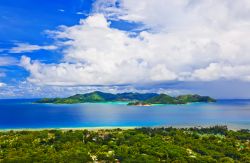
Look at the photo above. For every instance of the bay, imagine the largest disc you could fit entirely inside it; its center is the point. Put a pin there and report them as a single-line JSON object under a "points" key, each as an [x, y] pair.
{"points": [[24, 114]]}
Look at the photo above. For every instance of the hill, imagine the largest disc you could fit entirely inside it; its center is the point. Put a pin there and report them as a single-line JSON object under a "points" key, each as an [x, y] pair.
{"points": [[132, 98], [183, 99], [98, 96]]}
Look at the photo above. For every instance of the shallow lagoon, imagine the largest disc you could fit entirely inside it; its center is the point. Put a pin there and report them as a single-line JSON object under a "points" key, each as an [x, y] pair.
{"points": [[19, 114]]}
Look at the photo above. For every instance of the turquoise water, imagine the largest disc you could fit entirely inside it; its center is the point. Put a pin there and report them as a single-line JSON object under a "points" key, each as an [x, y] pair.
{"points": [[19, 114]]}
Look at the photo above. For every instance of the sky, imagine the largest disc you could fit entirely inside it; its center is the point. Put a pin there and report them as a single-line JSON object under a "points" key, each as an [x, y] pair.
{"points": [[59, 48]]}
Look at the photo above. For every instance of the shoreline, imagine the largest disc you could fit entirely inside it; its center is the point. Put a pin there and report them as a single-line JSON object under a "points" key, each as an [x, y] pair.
{"points": [[72, 128], [230, 127]]}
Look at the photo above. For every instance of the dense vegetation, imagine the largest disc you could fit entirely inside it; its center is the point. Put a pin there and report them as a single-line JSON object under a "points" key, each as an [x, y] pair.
{"points": [[216, 144], [133, 98], [99, 97], [183, 99]]}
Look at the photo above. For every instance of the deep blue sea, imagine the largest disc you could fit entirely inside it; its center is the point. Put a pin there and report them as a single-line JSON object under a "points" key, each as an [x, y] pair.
{"points": [[20, 114]]}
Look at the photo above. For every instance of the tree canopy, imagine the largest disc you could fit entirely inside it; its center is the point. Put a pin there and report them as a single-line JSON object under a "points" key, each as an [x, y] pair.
{"points": [[215, 144]]}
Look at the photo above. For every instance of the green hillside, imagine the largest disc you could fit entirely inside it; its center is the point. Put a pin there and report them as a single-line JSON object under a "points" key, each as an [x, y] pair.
{"points": [[98, 96], [183, 99], [162, 99], [132, 98]]}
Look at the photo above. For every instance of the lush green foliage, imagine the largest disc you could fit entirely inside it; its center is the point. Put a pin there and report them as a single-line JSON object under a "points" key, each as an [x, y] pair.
{"points": [[183, 99], [215, 144], [162, 99], [98, 97], [194, 98], [147, 98]]}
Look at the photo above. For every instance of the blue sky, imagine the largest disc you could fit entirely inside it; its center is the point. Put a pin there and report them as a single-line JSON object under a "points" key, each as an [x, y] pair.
{"points": [[61, 47]]}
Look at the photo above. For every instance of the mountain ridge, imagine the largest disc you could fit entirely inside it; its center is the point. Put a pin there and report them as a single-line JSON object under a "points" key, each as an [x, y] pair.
{"points": [[130, 97]]}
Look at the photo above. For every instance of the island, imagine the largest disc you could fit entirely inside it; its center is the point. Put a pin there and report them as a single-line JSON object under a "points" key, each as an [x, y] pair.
{"points": [[139, 103], [138, 99]]}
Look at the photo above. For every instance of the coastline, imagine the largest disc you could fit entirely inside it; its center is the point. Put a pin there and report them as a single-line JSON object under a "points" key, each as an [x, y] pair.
{"points": [[229, 126], [72, 128]]}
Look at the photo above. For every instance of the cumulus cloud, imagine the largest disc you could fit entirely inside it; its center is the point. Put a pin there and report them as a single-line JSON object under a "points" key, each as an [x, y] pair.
{"points": [[186, 41], [25, 47], [217, 71]]}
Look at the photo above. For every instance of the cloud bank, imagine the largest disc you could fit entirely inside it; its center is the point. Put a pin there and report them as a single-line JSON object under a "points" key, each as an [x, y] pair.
{"points": [[179, 41]]}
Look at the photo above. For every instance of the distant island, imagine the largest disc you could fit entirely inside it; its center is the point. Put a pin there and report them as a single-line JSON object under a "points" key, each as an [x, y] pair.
{"points": [[137, 99]]}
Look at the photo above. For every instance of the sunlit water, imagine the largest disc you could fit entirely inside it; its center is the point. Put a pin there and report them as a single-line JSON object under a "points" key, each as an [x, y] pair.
{"points": [[17, 114]]}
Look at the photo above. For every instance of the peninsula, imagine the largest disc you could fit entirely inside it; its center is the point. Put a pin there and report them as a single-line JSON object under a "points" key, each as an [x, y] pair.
{"points": [[139, 99]]}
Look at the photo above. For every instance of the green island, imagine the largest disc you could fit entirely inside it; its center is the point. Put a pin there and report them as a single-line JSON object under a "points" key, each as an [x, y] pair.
{"points": [[191, 145], [140, 99]]}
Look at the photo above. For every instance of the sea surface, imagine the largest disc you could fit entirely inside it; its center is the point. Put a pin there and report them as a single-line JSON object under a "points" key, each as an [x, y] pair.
{"points": [[25, 114]]}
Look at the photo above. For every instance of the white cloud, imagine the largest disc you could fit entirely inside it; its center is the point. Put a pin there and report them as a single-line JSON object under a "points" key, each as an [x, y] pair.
{"points": [[187, 40], [61, 10], [29, 90], [80, 13], [217, 71], [2, 84], [177, 15], [25, 47], [6, 61]]}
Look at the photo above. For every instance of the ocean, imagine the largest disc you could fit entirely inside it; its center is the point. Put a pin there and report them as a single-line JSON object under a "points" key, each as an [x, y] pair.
{"points": [[25, 114]]}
